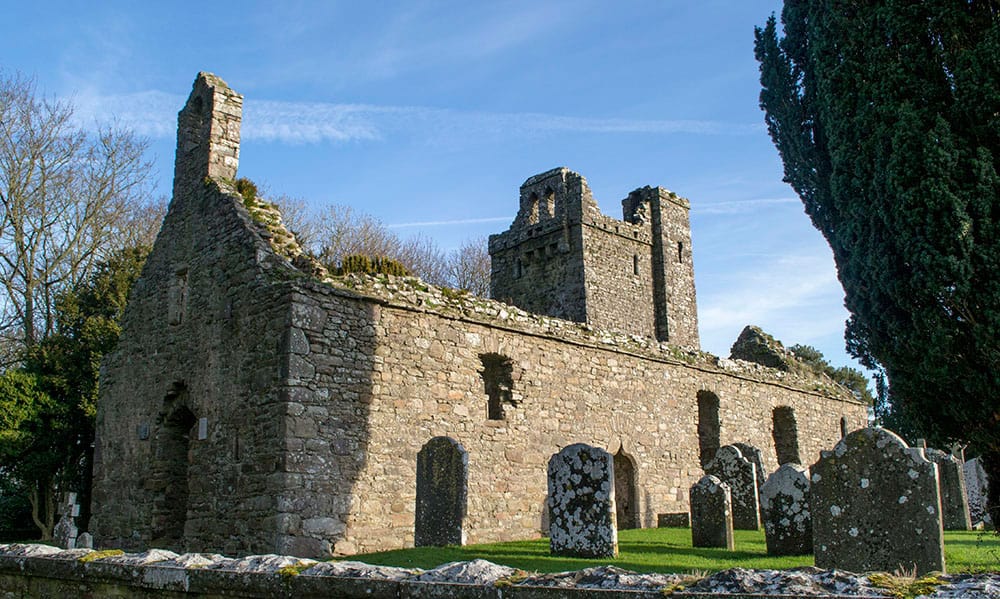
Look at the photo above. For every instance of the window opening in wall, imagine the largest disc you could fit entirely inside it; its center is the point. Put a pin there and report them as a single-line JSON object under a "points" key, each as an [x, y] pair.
{"points": [[626, 504], [498, 381], [170, 471], [550, 203], [518, 268], [680, 251], [786, 435], [533, 209], [635, 264], [708, 426]]}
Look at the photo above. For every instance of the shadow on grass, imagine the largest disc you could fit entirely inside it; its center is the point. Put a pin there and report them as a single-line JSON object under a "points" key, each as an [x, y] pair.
{"points": [[667, 550]]}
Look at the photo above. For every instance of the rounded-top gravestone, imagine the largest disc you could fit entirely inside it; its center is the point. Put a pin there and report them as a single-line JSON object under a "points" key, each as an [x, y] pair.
{"points": [[784, 506], [581, 503], [711, 514], [442, 491], [876, 506]]}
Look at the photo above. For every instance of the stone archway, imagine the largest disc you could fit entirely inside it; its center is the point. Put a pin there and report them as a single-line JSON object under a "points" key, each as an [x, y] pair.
{"points": [[626, 494], [170, 471]]}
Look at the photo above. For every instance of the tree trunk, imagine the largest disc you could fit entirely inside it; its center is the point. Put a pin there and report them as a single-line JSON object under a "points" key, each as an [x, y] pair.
{"points": [[42, 509]]}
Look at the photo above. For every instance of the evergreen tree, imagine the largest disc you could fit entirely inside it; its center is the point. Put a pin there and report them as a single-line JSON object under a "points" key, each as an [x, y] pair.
{"points": [[48, 406], [887, 118]]}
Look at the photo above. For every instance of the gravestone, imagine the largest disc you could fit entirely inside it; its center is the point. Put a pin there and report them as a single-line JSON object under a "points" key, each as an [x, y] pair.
{"points": [[711, 513], [740, 475], [85, 541], [784, 506], [876, 506], [954, 502], [754, 455], [442, 491], [976, 487], [673, 520], [581, 503], [65, 530]]}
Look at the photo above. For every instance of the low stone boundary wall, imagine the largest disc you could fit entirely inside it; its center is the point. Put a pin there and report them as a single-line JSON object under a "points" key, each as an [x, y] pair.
{"points": [[31, 571]]}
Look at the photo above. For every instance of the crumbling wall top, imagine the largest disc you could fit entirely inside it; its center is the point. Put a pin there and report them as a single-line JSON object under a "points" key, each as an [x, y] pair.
{"points": [[208, 134]]}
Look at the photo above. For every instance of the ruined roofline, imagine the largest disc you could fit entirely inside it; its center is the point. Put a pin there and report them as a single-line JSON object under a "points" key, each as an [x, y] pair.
{"points": [[284, 259], [412, 294]]}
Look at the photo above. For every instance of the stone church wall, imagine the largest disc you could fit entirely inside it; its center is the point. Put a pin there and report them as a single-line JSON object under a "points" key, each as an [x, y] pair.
{"points": [[412, 374], [253, 408]]}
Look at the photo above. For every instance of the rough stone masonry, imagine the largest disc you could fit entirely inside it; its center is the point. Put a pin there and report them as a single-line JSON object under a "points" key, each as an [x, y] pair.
{"points": [[256, 405]]}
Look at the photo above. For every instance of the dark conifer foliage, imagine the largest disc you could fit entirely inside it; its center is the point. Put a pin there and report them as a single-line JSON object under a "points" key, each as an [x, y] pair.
{"points": [[887, 117]]}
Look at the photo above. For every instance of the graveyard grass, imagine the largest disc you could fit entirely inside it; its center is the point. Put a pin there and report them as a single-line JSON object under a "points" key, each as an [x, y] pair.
{"points": [[669, 550]]}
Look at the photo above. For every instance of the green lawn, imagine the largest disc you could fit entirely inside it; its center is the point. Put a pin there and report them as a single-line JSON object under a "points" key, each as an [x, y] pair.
{"points": [[669, 550]]}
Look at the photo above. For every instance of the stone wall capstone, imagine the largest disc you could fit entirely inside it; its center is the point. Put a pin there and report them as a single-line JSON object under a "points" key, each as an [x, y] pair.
{"points": [[711, 514], [876, 506], [785, 511], [581, 503], [740, 475]]}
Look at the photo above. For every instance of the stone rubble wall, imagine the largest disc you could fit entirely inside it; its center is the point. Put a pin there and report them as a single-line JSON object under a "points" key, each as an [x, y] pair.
{"points": [[563, 258], [311, 396], [390, 366]]}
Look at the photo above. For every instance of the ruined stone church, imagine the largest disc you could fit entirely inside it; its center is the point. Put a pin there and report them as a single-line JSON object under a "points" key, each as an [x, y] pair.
{"points": [[255, 404]]}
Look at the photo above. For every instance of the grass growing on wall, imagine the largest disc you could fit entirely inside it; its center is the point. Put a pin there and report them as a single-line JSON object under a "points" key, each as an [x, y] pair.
{"points": [[669, 550]]}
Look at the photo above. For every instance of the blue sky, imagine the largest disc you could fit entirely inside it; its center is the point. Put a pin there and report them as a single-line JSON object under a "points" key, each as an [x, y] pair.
{"points": [[429, 115]]}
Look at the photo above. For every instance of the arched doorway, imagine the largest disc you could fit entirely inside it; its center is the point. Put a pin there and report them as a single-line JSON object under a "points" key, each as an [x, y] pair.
{"points": [[171, 465], [626, 496], [786, 435]]}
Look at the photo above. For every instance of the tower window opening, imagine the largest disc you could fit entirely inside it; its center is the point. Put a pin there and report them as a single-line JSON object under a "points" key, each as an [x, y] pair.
{"points": [[680, 251], [635, 264]]}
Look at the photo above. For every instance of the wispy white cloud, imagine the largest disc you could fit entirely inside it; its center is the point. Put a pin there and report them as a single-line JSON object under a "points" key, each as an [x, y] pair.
{"points": [[153, 113], [794, 297], [742, 206], [452, 222]]}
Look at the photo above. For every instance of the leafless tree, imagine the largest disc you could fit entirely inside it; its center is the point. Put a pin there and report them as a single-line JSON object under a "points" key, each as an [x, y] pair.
{"points": [[338, 231], [469, 267], [67, 199]]}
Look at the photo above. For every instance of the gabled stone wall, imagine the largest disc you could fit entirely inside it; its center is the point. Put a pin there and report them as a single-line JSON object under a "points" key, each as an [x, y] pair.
{"points": [[287, 411]]}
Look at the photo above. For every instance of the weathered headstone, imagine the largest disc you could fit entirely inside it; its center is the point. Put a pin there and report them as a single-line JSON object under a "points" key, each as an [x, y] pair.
{"points": [[711, 513], [65, 530], [581, 503], [740, 475], [784, 506], [85, 541], [876, 506], [976, 487], [673, 520], [954, 502], [757, 457], [442, 491]]}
